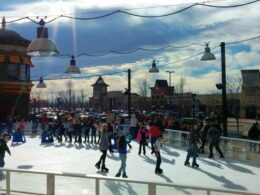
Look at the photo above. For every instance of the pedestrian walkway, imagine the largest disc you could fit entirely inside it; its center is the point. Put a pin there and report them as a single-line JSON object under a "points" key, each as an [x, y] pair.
{"points": [[80, 159]]}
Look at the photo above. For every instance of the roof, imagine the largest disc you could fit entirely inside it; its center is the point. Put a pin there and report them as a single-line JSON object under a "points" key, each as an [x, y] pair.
{"points": [[10, 37], [161, 83], [250, 71], [100, 81]]}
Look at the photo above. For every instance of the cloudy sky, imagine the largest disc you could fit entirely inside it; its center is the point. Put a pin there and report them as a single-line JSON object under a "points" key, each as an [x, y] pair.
{"points": [[123, 33]]}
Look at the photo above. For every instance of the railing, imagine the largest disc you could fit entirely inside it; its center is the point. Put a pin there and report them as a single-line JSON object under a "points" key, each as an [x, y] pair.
{"points": [[46, 183], [241, 149], [28, 127]]}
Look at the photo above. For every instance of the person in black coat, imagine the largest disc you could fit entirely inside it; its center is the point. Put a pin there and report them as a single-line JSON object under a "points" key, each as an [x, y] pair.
{"points": [[3, 148], [203, 136], [254, 134], [214, 140], [193, 145]]}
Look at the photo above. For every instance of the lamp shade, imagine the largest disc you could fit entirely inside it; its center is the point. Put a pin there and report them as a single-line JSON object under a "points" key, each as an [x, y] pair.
{"points": [[41, 84], [42, 46], [208, 55], [72, 68], [154, 69]]}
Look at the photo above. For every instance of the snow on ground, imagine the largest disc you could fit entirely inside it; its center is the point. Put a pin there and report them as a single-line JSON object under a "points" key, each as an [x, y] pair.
{"points": [[69, 158]]}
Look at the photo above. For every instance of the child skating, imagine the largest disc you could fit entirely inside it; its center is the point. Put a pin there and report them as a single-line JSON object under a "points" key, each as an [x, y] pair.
{"points": [[157, 148], [122, 149]]}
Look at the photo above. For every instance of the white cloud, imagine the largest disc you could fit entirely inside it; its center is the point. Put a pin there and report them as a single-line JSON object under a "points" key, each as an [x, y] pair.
{"points": [[198, 24]]}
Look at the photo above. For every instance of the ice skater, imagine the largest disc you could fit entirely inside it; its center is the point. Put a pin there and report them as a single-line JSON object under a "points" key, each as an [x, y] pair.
{"points": [[157, 148], [103, 147], [193, 147], [214, 140], [141, 138], [122, 149], [3, 148], [154, 132]]}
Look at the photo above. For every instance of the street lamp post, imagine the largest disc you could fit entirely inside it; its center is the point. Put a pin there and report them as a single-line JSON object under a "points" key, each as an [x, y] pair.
{"points": [[209, 56], [193, 104], [170, 83], [34, 107], [224, 91], [129, 94]]}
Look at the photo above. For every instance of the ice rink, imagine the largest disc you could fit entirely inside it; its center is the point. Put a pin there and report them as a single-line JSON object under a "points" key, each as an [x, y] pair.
{"points": [[69, 158]]}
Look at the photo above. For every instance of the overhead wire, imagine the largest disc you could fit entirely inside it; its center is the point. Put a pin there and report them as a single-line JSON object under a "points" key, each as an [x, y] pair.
{"points": [[170, 63], [139, 15]]}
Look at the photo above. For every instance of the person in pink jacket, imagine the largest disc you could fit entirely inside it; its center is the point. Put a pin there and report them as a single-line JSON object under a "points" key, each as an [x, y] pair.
{"points": [[141, 138]]}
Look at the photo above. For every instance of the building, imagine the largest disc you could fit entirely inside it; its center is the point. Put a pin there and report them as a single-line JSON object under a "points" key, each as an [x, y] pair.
{"points": [[250, 94], [15, 83], [161, 93], [105, 100], [99, 99]]}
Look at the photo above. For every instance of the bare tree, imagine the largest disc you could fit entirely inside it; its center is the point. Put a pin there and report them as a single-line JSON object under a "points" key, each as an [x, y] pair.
{"points": [[233, 89], [143, 88], [180, 85], [68, 97], [83, 96]]}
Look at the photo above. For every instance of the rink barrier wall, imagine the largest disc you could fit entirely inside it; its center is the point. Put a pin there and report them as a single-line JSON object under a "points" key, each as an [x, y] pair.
{"points": [[151, 186], [240, 149]]}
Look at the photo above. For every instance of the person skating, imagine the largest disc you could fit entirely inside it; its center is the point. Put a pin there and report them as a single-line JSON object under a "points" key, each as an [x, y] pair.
{"points": [[214, 140], [103, 147], [204, 135], [193, 147], [93, 132], [141, 138], [69, 129], [99, 130], [154, 132], [133, 126], [254, 134], [110, 131], [122, 150], [86, 125], [3, 148], [157, 147]]}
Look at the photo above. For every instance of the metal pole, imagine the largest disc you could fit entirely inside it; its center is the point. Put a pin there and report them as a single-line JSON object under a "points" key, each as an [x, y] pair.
{"points": [[129, 94], [193, 104], [170, 78], [224, 93], [193, 107], [34, 107]]}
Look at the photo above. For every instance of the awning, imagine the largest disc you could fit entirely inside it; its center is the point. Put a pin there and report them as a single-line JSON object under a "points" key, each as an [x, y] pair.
{"points": [[27, 60], [2, 58], [14, 59]]}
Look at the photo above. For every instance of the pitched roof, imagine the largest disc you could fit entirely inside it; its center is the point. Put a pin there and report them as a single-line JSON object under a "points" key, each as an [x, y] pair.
{"points": [[100, 81], [161, 83]]}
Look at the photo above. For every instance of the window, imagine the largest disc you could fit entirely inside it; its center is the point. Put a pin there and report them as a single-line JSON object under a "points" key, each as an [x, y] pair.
{"points": [[23, 72], [250, 79], [13, 71], [28, 73]]}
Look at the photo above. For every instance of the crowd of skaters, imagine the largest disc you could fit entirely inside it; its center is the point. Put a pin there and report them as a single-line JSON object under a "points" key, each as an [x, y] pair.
{"points": [[78, 130]]}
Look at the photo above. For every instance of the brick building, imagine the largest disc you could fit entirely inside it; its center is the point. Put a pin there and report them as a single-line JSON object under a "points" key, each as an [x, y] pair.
{"points": [[161, 93]]}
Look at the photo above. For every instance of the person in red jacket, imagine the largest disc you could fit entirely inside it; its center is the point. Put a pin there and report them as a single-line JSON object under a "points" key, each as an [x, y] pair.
{"points": [[154, 131]]}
